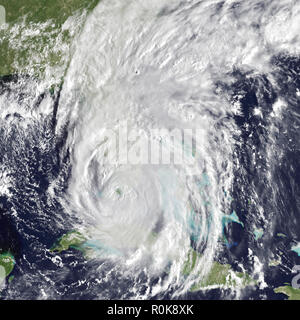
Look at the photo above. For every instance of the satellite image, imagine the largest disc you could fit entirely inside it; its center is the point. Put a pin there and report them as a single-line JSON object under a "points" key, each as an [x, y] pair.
{"points": [[149, 150]]}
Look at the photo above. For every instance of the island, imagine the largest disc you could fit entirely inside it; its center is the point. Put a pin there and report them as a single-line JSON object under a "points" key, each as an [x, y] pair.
{"points": [[7, 264], [72, 239], [292, 293]]}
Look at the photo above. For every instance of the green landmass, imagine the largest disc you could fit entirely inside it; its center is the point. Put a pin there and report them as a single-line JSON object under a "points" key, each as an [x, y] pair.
{"points": [[282, 235], [119, 191], [219, 275], [7, 262], [72, 239], [274, 263], [75, 240], [34, 36], [293, 294], [43, 10]]}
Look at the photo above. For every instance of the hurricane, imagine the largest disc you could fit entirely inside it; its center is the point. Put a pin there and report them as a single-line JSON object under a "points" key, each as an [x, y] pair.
{"points": [[164, 163]]}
